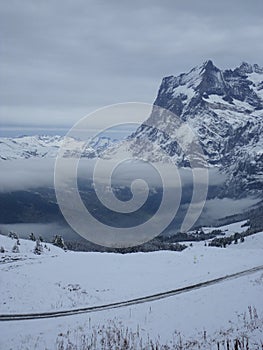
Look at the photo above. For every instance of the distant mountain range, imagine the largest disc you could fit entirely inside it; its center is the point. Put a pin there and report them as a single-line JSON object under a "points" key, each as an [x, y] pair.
{"points": [[25, 147]]}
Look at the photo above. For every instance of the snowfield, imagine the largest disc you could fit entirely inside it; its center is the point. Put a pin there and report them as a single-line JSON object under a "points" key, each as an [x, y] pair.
{"points": [[231, 229], [58, 280]]}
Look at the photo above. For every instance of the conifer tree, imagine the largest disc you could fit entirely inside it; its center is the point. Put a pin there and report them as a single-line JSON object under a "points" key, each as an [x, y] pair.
{"points": [[59, 242], [38, 248], [32, 237], [15, 249]]}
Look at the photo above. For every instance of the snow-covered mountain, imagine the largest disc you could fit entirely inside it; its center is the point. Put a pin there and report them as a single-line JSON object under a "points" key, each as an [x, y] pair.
{"points": [[224, 108], [25, 147]]}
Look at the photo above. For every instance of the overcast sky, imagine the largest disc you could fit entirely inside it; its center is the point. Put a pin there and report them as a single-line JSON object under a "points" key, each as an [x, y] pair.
{"points": [[63, 59]]}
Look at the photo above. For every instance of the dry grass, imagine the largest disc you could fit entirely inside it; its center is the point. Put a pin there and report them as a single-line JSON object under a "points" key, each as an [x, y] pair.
{"points": [[246, 333]]}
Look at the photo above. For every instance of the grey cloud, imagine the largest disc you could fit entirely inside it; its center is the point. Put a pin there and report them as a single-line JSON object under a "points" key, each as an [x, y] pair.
{"points": [[220, 208], [26, 174], [23, 174], [66, 57]]}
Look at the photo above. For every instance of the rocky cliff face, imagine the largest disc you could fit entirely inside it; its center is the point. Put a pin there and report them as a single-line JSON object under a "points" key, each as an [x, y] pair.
{"points": [[224, 108]]}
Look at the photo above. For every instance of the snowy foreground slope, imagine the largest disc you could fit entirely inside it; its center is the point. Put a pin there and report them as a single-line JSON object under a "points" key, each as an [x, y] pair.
{"points": [[58, 280]]}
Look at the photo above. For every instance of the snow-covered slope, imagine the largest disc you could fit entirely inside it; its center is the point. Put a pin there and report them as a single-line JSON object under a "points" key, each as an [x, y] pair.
{"points": [[58, 271], [25, 250], [61, 280], [230, 229]]}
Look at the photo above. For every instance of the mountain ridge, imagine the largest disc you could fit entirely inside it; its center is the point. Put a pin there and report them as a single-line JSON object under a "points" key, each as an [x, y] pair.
{"points": [[224, 108]]}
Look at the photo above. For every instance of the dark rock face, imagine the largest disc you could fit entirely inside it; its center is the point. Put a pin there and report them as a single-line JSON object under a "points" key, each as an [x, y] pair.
{"points": [[240, 88], [225, 110], [212, 81]]}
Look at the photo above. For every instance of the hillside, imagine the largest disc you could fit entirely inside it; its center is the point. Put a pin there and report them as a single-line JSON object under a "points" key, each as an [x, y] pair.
{"points": [[58, 280]]}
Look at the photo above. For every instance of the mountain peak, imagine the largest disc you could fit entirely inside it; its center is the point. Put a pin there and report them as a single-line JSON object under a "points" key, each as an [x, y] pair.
{"points": [[208, 65], [247, 68], [212, 81], [224, 110], [257, 69]]}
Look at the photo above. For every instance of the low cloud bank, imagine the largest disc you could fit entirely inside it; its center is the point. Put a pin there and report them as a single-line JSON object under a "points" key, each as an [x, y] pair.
{"points": [[27, 174], [220, 208]]}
